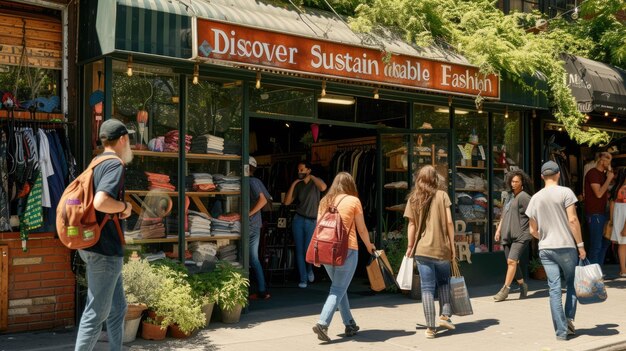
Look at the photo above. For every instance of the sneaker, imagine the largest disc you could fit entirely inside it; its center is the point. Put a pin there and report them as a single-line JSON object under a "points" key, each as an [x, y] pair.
{"points": [[311, 277], [571, 330], [523, 291], [260, 296], [430, 333], [446, 322], [321, 331], [352, 328], [302, 285], [502, 294]]}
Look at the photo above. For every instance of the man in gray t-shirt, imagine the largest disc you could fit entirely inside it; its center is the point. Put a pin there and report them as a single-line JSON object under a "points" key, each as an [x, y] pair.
{"points": [[553, 220]]}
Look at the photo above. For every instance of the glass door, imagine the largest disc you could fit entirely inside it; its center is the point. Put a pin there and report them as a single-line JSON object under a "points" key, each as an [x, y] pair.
{"points": [[403, 154]]}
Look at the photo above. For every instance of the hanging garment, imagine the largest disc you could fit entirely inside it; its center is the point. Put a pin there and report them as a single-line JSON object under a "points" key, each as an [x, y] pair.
{"points": [[33, 216], [4, 186], [45, 166]]}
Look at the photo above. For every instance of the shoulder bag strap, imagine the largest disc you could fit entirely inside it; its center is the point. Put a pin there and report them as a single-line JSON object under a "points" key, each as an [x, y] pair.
{"points": [[107, 217], [422, 225]]}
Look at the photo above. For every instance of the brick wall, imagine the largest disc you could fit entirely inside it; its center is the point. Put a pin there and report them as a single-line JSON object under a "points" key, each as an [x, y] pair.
{"points": [[41, 283]]}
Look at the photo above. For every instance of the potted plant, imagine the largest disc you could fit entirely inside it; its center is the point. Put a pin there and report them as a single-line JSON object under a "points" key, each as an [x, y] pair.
{"points": [[140, 286], [205, 287], [232, 293], [152, 330], [177, 303], [536, 269]]}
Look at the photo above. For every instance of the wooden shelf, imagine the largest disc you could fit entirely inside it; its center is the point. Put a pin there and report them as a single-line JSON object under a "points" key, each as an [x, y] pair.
{"points": [[131, 241], [397, 169], [188, 193], [188, 156], [480, 168], [471, 190], [395, 209]]}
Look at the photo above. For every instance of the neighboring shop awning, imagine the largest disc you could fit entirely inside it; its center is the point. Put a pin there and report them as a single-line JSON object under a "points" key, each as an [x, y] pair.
{"points": [[595, 85]]}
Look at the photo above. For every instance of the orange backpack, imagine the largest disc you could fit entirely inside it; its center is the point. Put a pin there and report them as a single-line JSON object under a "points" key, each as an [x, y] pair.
{"points": [[76, 223]]}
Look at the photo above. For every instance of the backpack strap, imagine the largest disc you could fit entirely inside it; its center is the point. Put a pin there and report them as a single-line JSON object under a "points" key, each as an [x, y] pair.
{"points": [[107, 217]]}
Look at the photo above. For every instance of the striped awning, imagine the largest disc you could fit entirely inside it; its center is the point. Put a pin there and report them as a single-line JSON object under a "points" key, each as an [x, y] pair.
{"points": [[151, 26]]}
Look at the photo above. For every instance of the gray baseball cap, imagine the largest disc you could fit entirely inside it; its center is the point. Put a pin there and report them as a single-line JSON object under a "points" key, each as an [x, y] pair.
{"points": [[550, 168], [112, 129]]}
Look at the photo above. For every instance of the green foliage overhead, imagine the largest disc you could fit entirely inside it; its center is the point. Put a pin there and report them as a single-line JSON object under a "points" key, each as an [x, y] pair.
{"points": [[503, 44]]}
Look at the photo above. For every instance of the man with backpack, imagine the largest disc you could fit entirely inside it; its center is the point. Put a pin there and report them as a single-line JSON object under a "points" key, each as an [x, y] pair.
{"points": [[104, 260]]}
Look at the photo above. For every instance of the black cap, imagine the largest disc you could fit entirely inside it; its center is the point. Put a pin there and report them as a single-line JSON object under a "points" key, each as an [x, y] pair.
{"points": [[112, 129], [550, 168]]}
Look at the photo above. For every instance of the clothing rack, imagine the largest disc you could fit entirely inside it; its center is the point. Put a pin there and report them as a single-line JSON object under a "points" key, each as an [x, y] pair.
{"points": [[322, 152]]}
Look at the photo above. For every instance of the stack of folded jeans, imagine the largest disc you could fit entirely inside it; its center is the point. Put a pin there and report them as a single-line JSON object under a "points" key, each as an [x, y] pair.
{"points": [[208, 144], [228, 253], [199, 224], [223, 227], [157, 181], [227, 183], [151, 228], [232, 147], [201, 182], [203, 251]]}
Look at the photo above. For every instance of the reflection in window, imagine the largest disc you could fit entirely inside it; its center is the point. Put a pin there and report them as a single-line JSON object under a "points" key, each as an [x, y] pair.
{"points": [[215, 108], [34, 87], [147, 101], [427, 117], [282, 100]]}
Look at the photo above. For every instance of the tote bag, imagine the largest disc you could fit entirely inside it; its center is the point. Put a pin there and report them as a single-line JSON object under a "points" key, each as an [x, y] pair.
{"points": [[588, 283], [459, 299], [379, 271]]}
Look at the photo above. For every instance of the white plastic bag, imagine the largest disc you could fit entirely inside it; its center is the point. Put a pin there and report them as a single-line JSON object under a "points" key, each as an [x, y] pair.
{"points": [[588, 283], [405, 273]]}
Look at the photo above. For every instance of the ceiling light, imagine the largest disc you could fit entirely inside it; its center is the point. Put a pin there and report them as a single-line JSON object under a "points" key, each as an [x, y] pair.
{"points": [[129, 66], [447, 110], [614, 119], [336, 99], [506, 112], [606, 114], [323, 88], [258, 80], [287, 124], [376, 95]]}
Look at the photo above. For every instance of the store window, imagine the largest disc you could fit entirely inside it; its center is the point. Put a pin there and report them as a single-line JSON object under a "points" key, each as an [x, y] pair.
{"points": [[471, 186], [282, 100], [507, 155], [381, 112], [431, 117]]}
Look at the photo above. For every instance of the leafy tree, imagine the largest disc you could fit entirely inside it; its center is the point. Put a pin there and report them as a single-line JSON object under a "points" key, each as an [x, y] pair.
{"points": [[499, 43]]}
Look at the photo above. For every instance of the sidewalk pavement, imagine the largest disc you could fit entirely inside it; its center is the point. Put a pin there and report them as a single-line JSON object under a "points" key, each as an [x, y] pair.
{"points": [[388, 322]]}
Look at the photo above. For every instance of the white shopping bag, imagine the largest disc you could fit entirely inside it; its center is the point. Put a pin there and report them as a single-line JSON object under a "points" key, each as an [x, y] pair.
{"points": [[405, 274]]}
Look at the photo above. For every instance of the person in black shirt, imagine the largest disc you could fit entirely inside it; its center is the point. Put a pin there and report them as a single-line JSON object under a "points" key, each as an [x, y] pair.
{"points": [[104, 260]]}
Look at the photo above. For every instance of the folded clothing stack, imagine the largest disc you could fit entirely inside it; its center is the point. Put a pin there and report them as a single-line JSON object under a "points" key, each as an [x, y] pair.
{"points": [[208, 144], [157, 181], [201, 182], [232, 147], [203, 251], [227, 183], [231, 216], [224, 227], [199, 224], [151, 228], [228, 253], [135, 179], [171, 141]]}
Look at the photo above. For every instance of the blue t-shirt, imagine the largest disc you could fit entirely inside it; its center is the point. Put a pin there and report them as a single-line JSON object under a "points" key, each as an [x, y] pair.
{"points": [[108, 177], [256, 189]]}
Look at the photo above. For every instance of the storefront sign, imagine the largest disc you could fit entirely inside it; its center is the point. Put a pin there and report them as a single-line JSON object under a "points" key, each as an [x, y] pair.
{"points": [[222, 42]]}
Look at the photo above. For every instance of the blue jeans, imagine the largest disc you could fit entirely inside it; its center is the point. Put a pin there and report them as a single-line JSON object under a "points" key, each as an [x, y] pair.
{"points": [[255, 264], [302, 229], [597, 243], [434, 273], [566, 259], [105, 301], [341, 277]]}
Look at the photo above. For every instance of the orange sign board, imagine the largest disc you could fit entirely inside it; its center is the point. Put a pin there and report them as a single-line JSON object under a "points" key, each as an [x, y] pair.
{"points": [[225, 42]]}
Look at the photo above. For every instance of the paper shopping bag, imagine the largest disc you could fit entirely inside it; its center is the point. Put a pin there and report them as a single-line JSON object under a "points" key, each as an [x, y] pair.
{"points": [[588, 283], [459, 296], [379, 271], [405, 273]]}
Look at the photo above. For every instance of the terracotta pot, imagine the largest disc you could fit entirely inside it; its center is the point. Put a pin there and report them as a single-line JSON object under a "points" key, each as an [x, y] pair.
{"points": [[175, 332], [230, 317], [151, 331], [153, 316], [539, 274], [135, 311]]}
